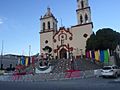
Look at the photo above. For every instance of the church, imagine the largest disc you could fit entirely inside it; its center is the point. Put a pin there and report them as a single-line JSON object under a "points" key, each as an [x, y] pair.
{"points": [[66, 42]]}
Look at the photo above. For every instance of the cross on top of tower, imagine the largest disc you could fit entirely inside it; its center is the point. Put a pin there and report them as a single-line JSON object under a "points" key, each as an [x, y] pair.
{"points": [[48, 13], [48, 9]]}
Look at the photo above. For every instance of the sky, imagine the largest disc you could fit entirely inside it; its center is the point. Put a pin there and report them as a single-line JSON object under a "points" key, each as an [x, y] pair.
{"points": [[20, 20]]}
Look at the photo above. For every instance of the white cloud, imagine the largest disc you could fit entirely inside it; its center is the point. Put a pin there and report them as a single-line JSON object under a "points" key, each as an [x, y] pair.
{"points": [[1, 21]]}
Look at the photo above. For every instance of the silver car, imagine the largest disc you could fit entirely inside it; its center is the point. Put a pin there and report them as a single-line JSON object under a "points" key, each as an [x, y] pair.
{"points": [[110, 71]]}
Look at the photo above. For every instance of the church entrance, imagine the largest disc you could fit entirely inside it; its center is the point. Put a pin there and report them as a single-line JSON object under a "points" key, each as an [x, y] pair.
{"points": [[63, 53]]}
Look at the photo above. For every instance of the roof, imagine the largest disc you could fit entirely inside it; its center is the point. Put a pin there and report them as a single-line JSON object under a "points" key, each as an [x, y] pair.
{"points": [[48, 14]]}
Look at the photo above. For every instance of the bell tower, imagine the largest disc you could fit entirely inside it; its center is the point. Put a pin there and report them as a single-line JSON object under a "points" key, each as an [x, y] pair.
{"points": [[47, 30], [48, 22], [83, 12]]}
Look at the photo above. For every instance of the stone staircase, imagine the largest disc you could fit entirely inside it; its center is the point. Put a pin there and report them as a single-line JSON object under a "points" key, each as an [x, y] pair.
{"points": [[62, 65], [78, 64], [83, 64]]}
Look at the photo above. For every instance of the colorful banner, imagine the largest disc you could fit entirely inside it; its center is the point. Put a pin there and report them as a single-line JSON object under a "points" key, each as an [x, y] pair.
{"points": [[106, 56], [102, 56], [26, 61], [19, 61], [97, 55], [29, 60], [22, 60], [33, 60], [88, 54], [93, 54]]}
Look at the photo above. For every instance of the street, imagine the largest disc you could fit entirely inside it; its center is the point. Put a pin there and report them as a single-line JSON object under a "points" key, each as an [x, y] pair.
{"points": [[79, 84]]}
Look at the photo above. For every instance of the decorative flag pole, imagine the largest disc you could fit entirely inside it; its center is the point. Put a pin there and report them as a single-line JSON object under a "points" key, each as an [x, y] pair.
{"points": [[29, 50]]}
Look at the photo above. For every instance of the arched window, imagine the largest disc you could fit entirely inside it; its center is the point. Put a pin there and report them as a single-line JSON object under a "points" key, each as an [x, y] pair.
{"points": [[43, 26], [82, 4], [86, 18], [81, 19], [48, 25]]}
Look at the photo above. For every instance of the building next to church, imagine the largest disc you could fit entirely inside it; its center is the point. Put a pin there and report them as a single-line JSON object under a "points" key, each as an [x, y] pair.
{"points": [[65, 42]]}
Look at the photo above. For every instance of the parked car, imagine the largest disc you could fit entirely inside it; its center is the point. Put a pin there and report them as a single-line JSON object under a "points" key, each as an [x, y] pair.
{"points": [[113, 71]]}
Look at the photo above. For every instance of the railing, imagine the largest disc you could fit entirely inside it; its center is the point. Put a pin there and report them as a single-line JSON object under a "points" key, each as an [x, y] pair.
{"points": [[48, 76]]}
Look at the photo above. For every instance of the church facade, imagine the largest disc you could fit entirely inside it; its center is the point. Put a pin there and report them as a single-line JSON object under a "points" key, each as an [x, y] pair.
{"points": [[65, 42]]}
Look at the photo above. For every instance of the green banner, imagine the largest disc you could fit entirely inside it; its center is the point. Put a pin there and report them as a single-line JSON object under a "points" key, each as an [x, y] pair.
{"points": [[106, 56]]}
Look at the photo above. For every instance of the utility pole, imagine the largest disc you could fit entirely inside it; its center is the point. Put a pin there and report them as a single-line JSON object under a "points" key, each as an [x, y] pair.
{"points": [[30, 54], [2, 53]]}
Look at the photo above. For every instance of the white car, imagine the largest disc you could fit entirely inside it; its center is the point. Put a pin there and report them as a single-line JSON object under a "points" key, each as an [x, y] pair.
{"points": [[110, 71]]}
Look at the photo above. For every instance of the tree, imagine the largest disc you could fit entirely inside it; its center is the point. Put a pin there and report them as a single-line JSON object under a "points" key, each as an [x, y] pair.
{"points": [[90, 41], [105, 38]]}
